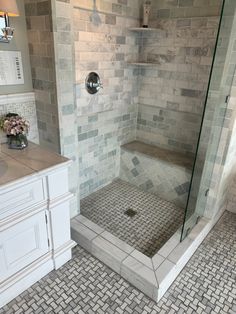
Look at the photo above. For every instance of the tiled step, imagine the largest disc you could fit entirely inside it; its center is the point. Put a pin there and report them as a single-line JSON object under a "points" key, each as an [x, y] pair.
{"points": [[153, 276]]}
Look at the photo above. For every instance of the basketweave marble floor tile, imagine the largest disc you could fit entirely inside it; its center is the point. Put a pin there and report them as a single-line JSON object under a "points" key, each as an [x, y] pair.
{"points": [[207, 284], [155, 221]]}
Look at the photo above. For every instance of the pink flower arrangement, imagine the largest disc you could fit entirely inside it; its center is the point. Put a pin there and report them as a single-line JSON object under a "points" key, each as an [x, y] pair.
{"points": [[14, 125]]}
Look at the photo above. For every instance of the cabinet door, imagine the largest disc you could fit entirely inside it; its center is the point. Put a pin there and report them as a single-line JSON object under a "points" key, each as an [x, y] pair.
{"points": [[22, 244]]}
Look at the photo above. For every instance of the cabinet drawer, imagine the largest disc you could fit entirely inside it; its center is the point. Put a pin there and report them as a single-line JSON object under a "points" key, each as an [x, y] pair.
{"points": [[21, 197], [22, 244]]}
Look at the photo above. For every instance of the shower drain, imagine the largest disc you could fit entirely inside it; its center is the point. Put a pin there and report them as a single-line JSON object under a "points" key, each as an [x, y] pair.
{"points": [[130, 212]]}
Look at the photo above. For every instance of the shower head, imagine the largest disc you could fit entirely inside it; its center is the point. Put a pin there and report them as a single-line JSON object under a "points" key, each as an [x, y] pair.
{"points": [[94, 17]]}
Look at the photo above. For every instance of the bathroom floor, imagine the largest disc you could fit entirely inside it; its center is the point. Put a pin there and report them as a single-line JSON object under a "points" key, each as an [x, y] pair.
{"points": [[207, 284], [139, 218]]}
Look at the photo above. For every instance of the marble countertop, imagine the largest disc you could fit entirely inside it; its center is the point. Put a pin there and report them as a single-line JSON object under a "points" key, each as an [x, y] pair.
{"points": [[17, 164]]}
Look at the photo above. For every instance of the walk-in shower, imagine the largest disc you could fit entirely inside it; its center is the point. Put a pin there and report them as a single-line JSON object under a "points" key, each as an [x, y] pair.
{"points": [[148, 140], [138, 136]]}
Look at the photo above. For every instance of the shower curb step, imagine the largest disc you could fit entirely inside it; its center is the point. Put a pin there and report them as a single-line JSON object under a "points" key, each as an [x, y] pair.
{"points": [[115, 255], [153, 276]]}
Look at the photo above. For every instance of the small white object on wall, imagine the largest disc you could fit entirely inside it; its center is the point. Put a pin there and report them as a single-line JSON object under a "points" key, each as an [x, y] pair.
{"points": [[11, 69], [146, 13]]}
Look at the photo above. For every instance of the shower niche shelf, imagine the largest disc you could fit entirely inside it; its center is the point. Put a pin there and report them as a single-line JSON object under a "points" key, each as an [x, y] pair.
{"points": [[142, 31], [143, 64], [148, 29]]}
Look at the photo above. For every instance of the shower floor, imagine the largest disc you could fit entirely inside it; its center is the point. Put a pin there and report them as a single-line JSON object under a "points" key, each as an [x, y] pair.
{"points": [[147, 230]]}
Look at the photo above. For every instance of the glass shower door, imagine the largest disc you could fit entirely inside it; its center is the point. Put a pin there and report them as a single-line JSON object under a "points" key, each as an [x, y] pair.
{"points": [[214, 126]]}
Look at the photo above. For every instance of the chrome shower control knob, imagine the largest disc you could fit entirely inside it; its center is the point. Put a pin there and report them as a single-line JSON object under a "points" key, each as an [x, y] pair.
{"points": [[93, 83]]}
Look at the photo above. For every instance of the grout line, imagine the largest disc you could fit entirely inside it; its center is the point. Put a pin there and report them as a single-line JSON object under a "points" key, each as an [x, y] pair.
{"points": [[136, 258], [115, 244], [169, 109], [89, 227], [184, 17], [155, 272]]}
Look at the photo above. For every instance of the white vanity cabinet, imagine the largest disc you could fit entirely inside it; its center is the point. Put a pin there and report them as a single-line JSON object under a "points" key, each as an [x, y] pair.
{"points": [[34, 219], [22, 244]]}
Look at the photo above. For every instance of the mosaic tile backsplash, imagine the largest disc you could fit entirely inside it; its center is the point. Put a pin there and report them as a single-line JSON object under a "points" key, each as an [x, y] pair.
{"points": [[24, 105]]}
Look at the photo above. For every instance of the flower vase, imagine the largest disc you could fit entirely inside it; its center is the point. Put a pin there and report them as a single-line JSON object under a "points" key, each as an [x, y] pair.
{"points": [[18, 141]]}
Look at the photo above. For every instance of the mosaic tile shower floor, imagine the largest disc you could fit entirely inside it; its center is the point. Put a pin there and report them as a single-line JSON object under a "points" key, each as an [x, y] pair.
{"points": [[207, 284], [156, 220]]}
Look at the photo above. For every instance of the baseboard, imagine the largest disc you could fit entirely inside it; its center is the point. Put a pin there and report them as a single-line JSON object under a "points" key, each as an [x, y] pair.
{"points": [[25, 280], [63, 254]]}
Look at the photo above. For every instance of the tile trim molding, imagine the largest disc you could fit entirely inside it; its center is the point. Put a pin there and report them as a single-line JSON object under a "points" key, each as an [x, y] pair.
{"points": [[21, 97], [153, 276]]}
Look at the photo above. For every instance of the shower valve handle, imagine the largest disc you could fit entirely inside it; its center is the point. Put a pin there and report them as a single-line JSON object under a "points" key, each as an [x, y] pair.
{"points": [[93, 83], [96, 85]]}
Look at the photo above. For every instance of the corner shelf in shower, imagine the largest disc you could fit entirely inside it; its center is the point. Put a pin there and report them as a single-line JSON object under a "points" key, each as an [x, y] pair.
{"points": [[143, 29], [143, 64]]}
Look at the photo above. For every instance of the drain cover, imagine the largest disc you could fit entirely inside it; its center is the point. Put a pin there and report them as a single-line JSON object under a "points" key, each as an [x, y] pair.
{"points": [[130, 212]]}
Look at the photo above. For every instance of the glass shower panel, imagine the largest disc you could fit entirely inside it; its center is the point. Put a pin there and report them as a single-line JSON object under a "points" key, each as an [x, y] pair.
{"points": [[213, 120]]}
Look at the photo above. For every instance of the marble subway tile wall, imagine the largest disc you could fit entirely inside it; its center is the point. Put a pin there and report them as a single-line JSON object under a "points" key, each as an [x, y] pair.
{"points": [[172, 92], [41, 49], [63, 38], [51, 45], [106, 120]]}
